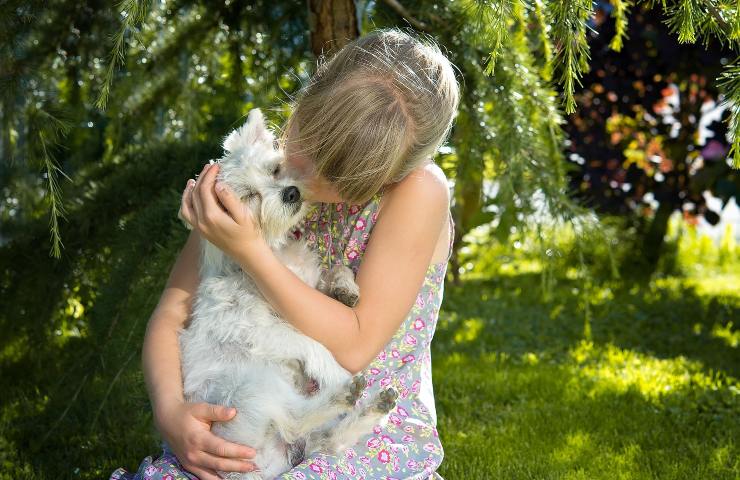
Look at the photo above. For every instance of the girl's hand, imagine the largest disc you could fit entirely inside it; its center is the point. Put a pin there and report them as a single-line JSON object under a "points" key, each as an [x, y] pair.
{"points": [[187, 429], [213, 209]]}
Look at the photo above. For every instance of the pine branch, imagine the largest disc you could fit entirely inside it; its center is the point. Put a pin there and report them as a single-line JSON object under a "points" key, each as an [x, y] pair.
{"points": [[568, 20], [490, 21], [406, 15], [729, 82], [693, 18], [55, 199], [47, 128], [685, 17], [718, 17], [621, 11], [544, 39], [735, 27], [134, 13]]}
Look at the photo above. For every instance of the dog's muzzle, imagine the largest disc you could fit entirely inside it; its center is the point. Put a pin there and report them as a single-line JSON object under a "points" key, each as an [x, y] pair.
{"points": [[291, 195]]}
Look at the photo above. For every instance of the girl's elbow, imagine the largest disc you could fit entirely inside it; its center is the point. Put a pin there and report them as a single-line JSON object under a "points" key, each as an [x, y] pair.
{"points": [[355, 362], [354, 369]]}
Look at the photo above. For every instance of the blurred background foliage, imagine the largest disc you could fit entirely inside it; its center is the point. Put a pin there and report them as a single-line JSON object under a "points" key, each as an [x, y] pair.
{"points": [[593, 180]]}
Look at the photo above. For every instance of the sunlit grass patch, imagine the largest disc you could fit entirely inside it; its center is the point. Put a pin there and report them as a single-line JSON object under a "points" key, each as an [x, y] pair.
{"points": [[619, 370], [469, 330], [650, 395], [731, 337], [507, 417], [726, 285], [723, 284]]}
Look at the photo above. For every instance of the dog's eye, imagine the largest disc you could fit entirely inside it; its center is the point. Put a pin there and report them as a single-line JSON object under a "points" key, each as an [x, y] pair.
{"points": [[276, 170], [248, 195]]}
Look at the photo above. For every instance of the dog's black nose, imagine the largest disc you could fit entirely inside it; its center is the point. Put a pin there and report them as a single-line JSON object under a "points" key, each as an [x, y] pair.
{"points": [[291, 195]]}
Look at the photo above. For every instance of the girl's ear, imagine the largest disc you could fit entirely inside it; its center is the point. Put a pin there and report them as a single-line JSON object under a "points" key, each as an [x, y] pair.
{"points": [[254, 130]]}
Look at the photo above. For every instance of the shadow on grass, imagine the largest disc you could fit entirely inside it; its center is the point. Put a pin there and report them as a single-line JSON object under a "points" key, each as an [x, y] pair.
{"points": [[74, 403], [521, 394], [665, 319], [77, 407], [499, 418]]}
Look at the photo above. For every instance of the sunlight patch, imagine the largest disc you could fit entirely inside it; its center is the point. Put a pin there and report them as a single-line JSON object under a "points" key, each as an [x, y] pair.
{"points": [[629, 457], [615, 369], [726, 334], [469, 330], [576, 444], [717, 285], [14, 350]]}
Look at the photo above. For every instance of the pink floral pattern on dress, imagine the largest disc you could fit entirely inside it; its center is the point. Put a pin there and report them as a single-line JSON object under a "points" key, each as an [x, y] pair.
{"points": [[164, 467], [408, 446]]}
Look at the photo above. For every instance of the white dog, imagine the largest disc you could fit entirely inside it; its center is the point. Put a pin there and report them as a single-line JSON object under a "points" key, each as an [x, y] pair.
{"points": [[237, 351]]}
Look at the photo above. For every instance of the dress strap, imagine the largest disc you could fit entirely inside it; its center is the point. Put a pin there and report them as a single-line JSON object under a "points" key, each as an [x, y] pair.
{"points": [[372, 207]]}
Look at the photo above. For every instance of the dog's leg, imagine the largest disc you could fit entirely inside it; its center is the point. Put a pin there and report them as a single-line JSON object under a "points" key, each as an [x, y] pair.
{"points": [[357, 423], [315, 413], [339, 283], [302, 381]]}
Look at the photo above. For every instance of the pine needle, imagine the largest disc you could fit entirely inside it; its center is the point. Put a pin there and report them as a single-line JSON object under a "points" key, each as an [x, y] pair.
{"points": [[134, 12]]}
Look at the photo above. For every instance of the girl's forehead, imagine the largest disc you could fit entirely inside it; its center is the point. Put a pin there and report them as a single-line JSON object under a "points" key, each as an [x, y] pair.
{"points": [[299, 162]]}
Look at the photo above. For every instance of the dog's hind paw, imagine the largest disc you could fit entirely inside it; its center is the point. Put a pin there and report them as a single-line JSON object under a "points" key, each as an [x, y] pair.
{"points": [[386, 400], [359, 382], [240, 475]]}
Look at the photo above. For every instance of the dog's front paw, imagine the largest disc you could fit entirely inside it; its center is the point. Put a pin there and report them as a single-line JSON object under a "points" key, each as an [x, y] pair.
{"points": [[355, 388], [339, 283], [386, 400], [346, 296]]}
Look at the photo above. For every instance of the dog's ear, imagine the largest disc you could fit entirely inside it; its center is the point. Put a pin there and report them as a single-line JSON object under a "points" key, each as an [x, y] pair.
{"points": [[254, 130]]}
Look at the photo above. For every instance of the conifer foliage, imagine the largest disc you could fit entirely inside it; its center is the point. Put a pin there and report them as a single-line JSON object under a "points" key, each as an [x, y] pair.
{"points": [[81, 82]]}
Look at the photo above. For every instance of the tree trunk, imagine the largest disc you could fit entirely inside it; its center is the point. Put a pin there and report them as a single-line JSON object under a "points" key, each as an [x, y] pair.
{"points": [[468, 183], [655, 235], [333, 24]]}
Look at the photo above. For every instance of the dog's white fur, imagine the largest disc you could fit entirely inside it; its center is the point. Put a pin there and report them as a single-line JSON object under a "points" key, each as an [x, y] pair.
{"points": [[237, 351]]}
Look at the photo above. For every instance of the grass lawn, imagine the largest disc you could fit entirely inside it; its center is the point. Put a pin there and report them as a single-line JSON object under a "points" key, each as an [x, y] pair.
{"points": [[525, 389]]}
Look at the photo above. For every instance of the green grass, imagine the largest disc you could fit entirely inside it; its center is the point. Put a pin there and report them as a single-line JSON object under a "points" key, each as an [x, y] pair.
{"points": [[524, 391], [644, 387]]}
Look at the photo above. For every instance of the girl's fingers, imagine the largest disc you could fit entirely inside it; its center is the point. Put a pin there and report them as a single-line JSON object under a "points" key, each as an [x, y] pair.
{"points": [[211, 412], [186, 206], [195, 194], [200, 176], [225, 464], [218, 446], [230, 203], [207, 193]]}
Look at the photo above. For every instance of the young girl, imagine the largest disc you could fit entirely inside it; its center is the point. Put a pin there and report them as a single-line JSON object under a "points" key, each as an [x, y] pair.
{"points": [[362, 133]]}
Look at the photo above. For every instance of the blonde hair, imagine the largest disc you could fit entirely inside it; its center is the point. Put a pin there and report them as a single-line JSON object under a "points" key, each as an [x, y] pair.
{"points": [[377, 109]]}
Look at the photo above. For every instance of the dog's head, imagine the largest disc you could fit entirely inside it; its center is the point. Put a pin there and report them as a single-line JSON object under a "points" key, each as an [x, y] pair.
{"points": [[254, 170]]}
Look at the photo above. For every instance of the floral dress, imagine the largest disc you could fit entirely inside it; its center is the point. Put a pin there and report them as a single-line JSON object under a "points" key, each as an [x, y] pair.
{"points": [[408, 446]]}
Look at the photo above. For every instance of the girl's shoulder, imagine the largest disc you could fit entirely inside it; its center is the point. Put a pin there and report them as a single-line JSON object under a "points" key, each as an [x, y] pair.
{"points": [[426, 183], [424, 189]]}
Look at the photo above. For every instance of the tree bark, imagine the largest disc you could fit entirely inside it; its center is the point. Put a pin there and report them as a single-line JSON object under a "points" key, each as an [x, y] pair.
{"points": [[468, 183], [654, 237], [332, 24]]}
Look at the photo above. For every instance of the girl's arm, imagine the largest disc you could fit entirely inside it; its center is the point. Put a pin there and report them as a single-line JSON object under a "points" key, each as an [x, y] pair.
{"points": [[398, 254], [185, 426]]}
